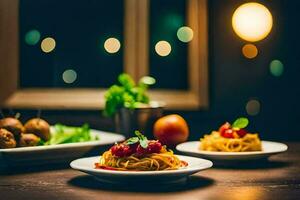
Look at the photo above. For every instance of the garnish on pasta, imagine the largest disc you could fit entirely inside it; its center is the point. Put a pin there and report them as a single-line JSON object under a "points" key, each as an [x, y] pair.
{"points": [[232, 138], [139, 154]]}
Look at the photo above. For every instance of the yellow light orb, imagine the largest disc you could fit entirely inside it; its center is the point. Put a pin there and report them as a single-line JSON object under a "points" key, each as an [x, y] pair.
{"points": [[252, 21], [112, 45], [249, 51], [163, 48], [48, 44]]}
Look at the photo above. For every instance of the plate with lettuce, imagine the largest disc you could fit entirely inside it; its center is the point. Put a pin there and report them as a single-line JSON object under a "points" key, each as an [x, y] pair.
{"points": [[66, 143]]}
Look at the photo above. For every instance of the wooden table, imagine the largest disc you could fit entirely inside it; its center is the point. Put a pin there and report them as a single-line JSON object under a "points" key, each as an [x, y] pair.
{"points": [[277, 179]]}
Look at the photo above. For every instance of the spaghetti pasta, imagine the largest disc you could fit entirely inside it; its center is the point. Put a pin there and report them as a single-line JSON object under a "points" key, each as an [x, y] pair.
{"points": [[164, 160], [215, 142], [139, 154], [231, 138]]}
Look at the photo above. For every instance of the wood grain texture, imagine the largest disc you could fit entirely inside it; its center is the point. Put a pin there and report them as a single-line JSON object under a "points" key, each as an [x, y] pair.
{"points": [[90, 99], [277, 179], [203, 53], [9, 48], [143, 48], [130, 35]]}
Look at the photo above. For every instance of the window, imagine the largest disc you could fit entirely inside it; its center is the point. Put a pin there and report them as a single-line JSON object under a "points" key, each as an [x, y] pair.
{"points": [[166, 18], [78, 31], [67, 60]]}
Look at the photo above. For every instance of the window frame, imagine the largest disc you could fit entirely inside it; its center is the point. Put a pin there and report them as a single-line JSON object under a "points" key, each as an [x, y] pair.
{"points": [[136, 63]]}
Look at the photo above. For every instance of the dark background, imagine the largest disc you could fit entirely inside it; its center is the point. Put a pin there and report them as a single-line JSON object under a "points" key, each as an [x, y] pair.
{"points": [[234, 79], [79, 29]]}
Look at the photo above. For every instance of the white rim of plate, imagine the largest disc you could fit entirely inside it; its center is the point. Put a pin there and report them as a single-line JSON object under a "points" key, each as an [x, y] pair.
{"points": [[205, 164], [181, 148], [118, 137]]}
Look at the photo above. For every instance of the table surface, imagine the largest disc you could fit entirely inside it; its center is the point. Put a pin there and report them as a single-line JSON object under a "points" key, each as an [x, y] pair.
{"points": [[277, 179]]}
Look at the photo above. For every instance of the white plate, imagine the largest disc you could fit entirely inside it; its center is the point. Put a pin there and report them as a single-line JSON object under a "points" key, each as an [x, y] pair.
{"points": [[87, 165], [61, 153], [269, 148]]}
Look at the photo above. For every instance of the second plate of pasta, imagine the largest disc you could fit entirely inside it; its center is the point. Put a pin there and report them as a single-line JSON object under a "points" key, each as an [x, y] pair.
{"points": [[268, 148]]}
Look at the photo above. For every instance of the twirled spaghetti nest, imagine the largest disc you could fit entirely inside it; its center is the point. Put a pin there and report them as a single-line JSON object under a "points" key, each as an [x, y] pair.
{"points": [[165, 160], [215, 142]]}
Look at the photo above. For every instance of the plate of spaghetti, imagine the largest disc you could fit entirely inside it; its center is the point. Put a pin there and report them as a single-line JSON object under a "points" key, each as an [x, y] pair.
{"points": [[137, 158], [232, 142]]}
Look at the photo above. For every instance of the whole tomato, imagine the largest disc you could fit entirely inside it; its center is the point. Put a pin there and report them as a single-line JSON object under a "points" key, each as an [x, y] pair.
{"points": [[171, 130]]}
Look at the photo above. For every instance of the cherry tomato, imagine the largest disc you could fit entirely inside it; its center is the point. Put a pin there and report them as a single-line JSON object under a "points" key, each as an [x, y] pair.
{"points": [[224, 127], [121, 150], [227, 133], [242, 132], [153, 147]]}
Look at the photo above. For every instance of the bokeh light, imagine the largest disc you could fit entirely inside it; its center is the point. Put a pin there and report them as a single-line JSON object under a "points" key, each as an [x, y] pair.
{"points": [[163, 48], [48, 44], [185, 34], [252, 21], [32, 37], [250, 51], [148, 80], [276, 68], [69, 76], [112, 45], [253, 107]]}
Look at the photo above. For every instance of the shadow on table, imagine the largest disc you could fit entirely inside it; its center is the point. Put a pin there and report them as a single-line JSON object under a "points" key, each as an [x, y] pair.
{"points": [[193, 182], [256, 164], [12, 170]]}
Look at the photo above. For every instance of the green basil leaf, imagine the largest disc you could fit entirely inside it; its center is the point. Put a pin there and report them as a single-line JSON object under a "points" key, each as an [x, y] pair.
{"points": [[240, 123], [132, 140], [144, 143], [142, 139], [138, 134]]}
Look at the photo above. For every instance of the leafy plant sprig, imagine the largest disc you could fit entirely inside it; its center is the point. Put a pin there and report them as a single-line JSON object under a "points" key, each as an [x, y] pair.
{"points": [[139, 138], [126, 93], [241, 122]]}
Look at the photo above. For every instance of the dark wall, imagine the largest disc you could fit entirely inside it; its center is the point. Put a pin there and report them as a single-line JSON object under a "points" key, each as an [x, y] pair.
{"points": [[234, 79]]}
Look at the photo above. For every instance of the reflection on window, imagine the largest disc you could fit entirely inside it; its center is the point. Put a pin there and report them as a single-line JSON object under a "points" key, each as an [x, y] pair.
{"points": [[168, 43], [62, 43]]}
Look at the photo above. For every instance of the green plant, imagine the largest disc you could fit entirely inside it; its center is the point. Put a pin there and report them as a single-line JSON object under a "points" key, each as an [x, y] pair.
{"points": [[126, 93]]}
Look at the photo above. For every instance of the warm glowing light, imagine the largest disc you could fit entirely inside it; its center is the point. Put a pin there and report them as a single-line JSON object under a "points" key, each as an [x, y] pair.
{"points": [[48, 44], [185, 34], [253, 107], [276, 68], [163, 48], [249, 51], [112, 45], [252, 21], [69, 76], [248, 193], [32, 37]]}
